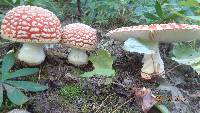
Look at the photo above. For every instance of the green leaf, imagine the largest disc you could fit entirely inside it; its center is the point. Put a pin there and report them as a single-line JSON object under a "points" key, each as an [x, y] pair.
{"points": [[139, 46], [21, 72], [1, 94], [196, 67], [197, 1], [102, 63], [162, 108], [159, 10], [28, 86], [8, 62], [188, 56], [52, 6], [15, 95], [1, 17], [185, 55], [197, 18], [14, 1], [190, 3], [151, 16]]}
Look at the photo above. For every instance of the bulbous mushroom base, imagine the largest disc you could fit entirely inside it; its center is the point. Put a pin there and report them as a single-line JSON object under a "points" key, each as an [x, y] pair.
{"points": [[152, 65], [78, 57], [32, 54]]}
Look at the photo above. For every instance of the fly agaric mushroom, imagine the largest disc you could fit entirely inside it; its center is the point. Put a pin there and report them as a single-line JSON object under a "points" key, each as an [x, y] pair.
{"points": [[80, 38], [33, 26], [172, 32]]}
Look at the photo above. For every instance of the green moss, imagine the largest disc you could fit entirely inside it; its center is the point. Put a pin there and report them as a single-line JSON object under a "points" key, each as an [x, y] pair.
{"points": [[70, 91]]}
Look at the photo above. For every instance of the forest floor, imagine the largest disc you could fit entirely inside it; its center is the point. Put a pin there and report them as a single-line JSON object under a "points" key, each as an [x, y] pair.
{"points": [[91, 95]]}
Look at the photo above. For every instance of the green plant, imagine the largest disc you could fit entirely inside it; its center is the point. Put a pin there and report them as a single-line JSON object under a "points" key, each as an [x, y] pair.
{"points": [[185, 54], [104, 11], [195, 9], [13, 86], [71, 91], [102, 62], [58, 8], [163, 13], [14, 3]]}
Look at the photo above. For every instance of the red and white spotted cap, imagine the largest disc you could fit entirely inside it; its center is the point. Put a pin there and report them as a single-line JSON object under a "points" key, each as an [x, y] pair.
{"points": [[31, 24], [173, 32], [159, 32], [79, 36], [123, 33]]}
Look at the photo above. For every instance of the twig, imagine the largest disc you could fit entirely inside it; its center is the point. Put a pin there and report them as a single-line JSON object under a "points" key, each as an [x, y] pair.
{"points": [[119, 84], [102, 103], [173, 68], [122, 105]]}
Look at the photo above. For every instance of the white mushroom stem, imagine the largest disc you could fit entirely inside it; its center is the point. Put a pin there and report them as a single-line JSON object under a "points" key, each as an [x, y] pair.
{"points": [[33, 54], [153, 64], [78, 57]]}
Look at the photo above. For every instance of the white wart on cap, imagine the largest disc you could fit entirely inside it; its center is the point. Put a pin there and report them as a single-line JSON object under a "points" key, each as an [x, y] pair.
{"points": [[31, 25], [80, 38]]}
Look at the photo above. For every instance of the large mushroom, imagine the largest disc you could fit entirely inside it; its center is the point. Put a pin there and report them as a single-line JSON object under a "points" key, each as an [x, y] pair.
{"points": [[33, 26], [80, 38], [171, 32]]}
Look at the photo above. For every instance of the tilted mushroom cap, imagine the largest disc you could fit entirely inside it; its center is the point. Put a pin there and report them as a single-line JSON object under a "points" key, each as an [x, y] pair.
{"points": [[173, 32], [31, 24], [123, 33], [159, 32], [79, 36]]}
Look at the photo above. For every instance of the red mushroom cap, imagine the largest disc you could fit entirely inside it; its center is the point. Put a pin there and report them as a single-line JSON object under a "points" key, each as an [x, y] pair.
{"points": [[123, 33], [173, 32], [159, 32], [79, 36], [31, 24]]}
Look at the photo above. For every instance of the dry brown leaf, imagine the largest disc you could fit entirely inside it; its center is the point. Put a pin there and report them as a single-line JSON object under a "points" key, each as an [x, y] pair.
{"points": [[145, 98]]}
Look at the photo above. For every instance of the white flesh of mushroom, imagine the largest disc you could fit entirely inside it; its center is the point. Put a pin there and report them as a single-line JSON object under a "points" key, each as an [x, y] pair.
{"points": [[78, 57], [33, 54], [153, 64]]}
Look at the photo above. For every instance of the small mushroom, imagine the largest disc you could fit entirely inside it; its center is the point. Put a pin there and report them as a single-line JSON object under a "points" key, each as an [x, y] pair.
{"points": [[171, 32], [80, 38], [33, 26]]}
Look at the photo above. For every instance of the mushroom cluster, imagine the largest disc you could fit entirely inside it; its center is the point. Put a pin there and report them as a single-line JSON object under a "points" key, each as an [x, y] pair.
{"points": [[35, 26], [172, 32], [32, 26]]}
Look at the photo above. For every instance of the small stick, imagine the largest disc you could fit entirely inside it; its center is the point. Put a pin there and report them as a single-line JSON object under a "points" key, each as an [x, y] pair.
{"points": [[122, 105]]}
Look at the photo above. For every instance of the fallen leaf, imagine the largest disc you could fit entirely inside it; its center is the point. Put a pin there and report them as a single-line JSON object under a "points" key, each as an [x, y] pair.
{"points": [[187, 55], [102, 62], [145, 98]]}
